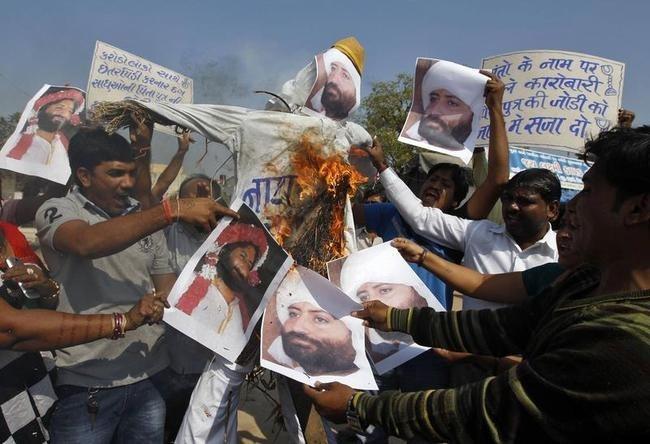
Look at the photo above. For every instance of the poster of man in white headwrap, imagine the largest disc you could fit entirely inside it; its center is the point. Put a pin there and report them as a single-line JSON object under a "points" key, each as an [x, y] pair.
{"points": [[308, 333], [222, 291], [380, 273], [39, 145], [337, 89], [446, 108]]}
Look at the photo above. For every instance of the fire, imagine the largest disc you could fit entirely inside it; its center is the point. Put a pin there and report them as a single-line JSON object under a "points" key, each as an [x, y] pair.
{"points": [[312, 229]]}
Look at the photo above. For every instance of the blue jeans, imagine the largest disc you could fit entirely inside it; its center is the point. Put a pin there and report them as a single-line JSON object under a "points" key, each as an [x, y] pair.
{"points": [[127, 414]]}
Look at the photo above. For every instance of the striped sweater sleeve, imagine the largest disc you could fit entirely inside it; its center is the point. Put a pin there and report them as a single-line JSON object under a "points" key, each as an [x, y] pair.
{"points": [[500, 332]]}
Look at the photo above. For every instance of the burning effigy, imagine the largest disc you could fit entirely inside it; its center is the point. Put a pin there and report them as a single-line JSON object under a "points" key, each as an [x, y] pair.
{"points": [[297, 162]]}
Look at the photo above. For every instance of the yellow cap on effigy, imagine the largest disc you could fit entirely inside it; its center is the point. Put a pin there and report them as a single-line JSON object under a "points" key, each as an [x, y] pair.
{"points": [[351, 47]]}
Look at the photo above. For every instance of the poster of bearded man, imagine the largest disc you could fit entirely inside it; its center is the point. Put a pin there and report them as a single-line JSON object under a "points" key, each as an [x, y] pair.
{"points": [[308, 334], [223, 290], [336, 92], [39, 144], [380, 273], [447, 102]]}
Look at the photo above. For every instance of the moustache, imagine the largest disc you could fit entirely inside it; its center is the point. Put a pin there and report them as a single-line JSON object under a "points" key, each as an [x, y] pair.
{"points": [[293, 336]]}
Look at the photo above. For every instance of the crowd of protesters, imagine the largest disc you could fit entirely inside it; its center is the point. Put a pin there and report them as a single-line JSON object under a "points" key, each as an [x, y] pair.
{"points": [[552, 342]]}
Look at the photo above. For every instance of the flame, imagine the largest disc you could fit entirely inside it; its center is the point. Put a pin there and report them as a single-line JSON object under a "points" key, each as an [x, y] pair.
{"points": [[324, 182]]}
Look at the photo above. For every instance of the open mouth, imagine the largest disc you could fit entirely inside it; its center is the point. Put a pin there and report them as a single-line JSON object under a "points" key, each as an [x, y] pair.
{"points": [[431, 194]]}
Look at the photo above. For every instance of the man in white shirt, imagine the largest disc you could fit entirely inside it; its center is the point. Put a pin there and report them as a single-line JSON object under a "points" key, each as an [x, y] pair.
{"points": [[530, 202]]}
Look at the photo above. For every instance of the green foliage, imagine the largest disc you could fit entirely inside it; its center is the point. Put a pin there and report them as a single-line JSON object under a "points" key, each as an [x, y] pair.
{"points": [[7, 126], [384, 112]]}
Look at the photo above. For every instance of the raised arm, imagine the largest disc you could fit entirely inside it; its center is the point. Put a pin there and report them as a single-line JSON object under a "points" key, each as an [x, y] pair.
{"points": [[486, 195], [173, 168], [429, 222], [507, 288], [141, 134]]}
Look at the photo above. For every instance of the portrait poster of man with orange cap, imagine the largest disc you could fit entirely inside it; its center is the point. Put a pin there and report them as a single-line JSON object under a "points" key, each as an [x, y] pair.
{"points": [[223, 290], [39, 145], [336, 92]]}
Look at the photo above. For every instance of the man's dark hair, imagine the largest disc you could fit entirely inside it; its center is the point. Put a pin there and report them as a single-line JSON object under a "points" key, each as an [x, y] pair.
{"points": [[540, 180], [623, 154], [461, 176], [92, 146]]}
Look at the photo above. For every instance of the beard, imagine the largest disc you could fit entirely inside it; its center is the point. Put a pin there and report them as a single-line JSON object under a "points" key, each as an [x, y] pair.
{"points": [[334, 103], [319, 358], [50, 123], [440, 134], [231, 278]]}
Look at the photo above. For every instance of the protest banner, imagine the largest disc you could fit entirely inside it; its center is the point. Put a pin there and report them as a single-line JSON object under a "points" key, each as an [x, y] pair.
{"points": [[308, 334], [568, 170], [117, 75], [380, 273], [39, 144], [223, 290], [555, 99]]}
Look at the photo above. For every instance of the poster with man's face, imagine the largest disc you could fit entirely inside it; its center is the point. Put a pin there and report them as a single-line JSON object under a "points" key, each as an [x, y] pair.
{"points": [[445, 113], [39, 145], [223, 290], [380, 273], [308, 334], [337, 90]]}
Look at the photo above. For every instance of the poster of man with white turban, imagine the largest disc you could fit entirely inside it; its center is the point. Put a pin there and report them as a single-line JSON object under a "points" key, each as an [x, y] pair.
{"points": [[39, 145], [336, 92], [308, 334], [380, 273], [446, 108], [223, 290]]}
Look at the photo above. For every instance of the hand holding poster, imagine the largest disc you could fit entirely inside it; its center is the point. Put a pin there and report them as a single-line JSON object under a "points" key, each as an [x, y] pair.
{"points": [[39, 144], [446, 108], [223, 290], [555, 98], [308, 333], [380, 273], [119, 75]]}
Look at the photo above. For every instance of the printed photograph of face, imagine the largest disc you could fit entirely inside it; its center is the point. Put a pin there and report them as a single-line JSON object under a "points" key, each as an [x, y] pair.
{"points": [[222, 288], [305, 341], [337, 89], [380, 273], [447, 102], [40, 142]]}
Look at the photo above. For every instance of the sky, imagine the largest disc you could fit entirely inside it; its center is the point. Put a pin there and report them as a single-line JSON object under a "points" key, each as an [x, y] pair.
{"points": [[232, 48]]}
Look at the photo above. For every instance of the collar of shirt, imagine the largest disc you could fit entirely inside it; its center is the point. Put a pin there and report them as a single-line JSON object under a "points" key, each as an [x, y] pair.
{"points": [[549, 240], [76, 195]]}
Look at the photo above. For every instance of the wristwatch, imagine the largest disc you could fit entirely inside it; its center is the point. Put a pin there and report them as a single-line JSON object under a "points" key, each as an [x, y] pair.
{"points": [[352, 418]]}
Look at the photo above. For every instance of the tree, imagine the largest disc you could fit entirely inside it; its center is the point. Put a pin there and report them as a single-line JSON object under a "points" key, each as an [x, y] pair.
{"points": [[7, 126], [383, 114]]}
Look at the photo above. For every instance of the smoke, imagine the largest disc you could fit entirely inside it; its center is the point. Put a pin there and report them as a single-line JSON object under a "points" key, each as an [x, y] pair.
{"points": [[231, 79]]}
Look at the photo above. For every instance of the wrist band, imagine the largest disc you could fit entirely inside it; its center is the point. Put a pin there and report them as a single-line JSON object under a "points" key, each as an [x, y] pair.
{"points": [[422, 256], [167, 211], [119, 325], [178, 210]]}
